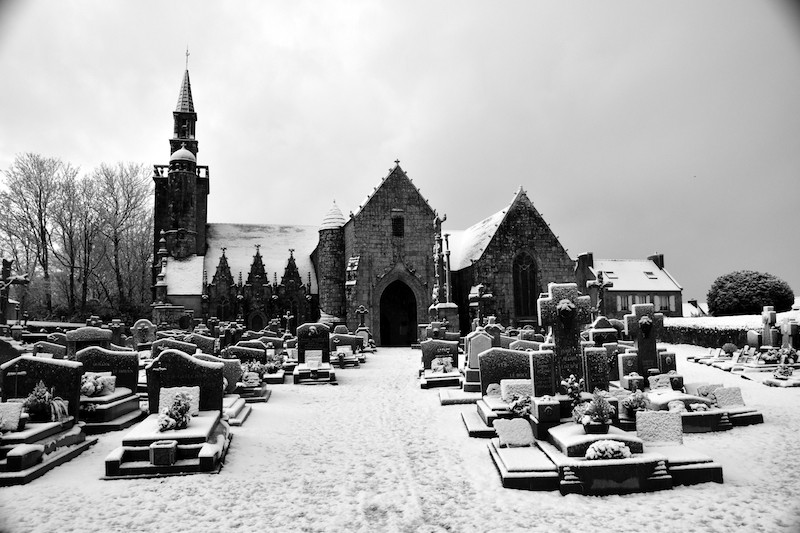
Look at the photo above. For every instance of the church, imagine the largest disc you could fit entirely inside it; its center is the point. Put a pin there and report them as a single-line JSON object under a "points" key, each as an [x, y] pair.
{"points": [[392, 256]]}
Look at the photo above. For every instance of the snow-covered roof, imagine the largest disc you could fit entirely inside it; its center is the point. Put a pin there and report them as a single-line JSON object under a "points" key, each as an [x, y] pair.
{"points": [[469, 244], [635, 275], [240, 242], [184, 276]]}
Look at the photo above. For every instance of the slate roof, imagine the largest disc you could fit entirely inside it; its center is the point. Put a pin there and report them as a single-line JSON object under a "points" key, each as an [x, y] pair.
{"points": [[240, 242], [635, 275], [185, 103]]}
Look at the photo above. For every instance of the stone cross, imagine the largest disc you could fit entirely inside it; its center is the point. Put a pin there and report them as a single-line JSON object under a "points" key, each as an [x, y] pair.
{"points": [[566, 311], [288, 317], [601, 285], [362, 315], [644, 325], [768, 318]]}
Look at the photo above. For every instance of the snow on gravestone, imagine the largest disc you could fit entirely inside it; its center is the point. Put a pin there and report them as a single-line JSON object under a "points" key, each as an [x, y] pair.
{"points": [[497, 364], [477, 342], [566, 311], [543, 373], [173, 368], [313, 344], [595, 368], [644, 325], [435, 348]]}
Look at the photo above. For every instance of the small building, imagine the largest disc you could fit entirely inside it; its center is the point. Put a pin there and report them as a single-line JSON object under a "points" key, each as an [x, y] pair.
{"points": [[626, 282]]}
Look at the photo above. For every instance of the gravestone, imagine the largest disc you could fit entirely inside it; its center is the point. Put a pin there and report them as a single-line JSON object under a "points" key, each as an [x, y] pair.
{"points": [[205, 343], [494, 330], [754, 339], [476, 343], [525, 345], [144, 334], [791, 334], [80, 338], [543, 373], [172, 344], [173, 368], [313, 343], [527, 334], [565, 310], [666, 362], [245, 355], [117, 330], [63, 377], [9, 350], [231, 370], [122, 364], [768, 319], [612, 353], [644, 325], [497, 364], [595, 368], [435, 348], [627, 363]]}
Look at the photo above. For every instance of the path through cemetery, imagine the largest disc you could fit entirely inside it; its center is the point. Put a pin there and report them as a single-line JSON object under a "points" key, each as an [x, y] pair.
{"points": [[376, 453]]}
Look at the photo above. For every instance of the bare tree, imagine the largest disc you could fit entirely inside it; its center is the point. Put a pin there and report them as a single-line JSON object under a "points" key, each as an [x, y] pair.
{"points": [[30, 189], [123, 203]]}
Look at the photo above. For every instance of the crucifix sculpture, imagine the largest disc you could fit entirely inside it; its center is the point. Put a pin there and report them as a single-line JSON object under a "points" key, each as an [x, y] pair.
{"points": [[6, 281]]}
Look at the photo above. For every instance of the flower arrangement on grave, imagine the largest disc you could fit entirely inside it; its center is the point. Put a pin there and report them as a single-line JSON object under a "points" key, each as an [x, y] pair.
{"points": [[594, 415], [699, 407], [770, 357], [783, 372], [274, 363], [91, 385], [176, 416], [676, 406], [572, 387], [607, 449], [442, 364], [42, 404], [521, 405], [635, 401]]}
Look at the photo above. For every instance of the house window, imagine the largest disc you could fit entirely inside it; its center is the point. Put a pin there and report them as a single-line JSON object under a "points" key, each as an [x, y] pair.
{"points": [[398, 226], [610, 274], [650, 274], [672, 303]]}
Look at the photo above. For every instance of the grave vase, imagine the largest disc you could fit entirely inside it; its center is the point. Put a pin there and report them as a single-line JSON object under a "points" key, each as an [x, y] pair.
{"points": [[596, 428]]}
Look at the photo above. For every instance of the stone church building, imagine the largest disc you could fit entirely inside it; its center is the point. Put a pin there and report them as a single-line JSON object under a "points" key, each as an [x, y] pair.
{"points": [[391, 256]]}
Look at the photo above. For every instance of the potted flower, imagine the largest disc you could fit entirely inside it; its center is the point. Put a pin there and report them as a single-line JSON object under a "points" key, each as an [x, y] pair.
{"points": [[521, 406], [176, 416], [594, 415], [572, 388], [43, 406], [635, 401]]}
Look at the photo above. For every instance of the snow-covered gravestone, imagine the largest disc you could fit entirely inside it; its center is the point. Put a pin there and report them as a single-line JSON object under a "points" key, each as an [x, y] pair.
{"points": [[768, 319], [595, 368], [791, 334], [476, 342], [566, 311], [643, 325]]}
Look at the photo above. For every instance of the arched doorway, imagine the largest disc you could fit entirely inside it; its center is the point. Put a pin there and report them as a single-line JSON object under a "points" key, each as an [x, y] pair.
{"points": [[398, 315]]}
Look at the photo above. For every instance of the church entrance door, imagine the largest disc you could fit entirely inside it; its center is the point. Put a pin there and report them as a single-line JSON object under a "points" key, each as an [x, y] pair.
{"points": [[398, 315]]}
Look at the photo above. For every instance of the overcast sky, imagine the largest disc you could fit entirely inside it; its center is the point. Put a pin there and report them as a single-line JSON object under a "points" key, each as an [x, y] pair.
{"points": [[635, 127]]}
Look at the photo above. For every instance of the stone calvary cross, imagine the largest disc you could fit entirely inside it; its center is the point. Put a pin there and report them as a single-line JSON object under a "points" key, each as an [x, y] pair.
{"points": [[566, 311], [644, 325]]}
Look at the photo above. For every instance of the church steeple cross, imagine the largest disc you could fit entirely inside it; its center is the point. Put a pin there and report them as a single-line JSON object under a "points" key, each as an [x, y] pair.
{"points": [[187, 57]]}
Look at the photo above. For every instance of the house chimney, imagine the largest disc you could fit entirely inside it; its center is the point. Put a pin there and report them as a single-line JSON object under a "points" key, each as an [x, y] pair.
{"points": [[658, 259]]}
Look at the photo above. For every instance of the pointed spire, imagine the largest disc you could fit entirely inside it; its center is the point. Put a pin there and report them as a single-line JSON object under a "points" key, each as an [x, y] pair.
{"points": [[185, 103], [333, 218]]}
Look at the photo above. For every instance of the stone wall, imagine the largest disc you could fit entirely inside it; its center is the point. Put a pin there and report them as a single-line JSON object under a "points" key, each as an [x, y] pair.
{"points": [[331, 269]]}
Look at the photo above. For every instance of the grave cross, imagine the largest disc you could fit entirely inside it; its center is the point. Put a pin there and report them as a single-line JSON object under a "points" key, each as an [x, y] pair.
{"points": [[790, 331], [362, 315], [16, 373], [601, 284], [644, 325], [768, 318], [566, 311]]}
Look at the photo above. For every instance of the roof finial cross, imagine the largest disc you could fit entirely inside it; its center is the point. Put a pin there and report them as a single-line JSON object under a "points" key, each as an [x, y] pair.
{"points": [[187, 57]]}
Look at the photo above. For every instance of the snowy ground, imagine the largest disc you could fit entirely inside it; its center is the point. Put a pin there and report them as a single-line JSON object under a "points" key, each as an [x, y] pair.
{"points": [[377, 453]]}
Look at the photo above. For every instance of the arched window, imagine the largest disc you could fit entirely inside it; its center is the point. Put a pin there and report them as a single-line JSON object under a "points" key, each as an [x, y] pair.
{"points": [[525, 292]]}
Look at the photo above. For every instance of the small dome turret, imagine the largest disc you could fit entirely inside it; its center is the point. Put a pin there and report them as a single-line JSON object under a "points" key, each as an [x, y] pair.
{"points": [[182, 154], [333, 218]]}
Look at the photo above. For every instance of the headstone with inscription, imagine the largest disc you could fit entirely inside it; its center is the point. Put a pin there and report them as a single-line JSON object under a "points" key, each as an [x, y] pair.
{"points": [[595, 368], [497, 364], [543, 373], [476, 343], [313, 354]]}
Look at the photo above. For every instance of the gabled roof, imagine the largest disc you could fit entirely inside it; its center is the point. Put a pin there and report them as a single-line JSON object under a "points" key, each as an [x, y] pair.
{"points": [[635, 275], [394, 173], [185, 103], [240, 242], [468, 245]]}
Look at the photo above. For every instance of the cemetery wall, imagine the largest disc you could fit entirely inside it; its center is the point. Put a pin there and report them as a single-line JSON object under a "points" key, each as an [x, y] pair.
{"points": [[703, 336]]}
